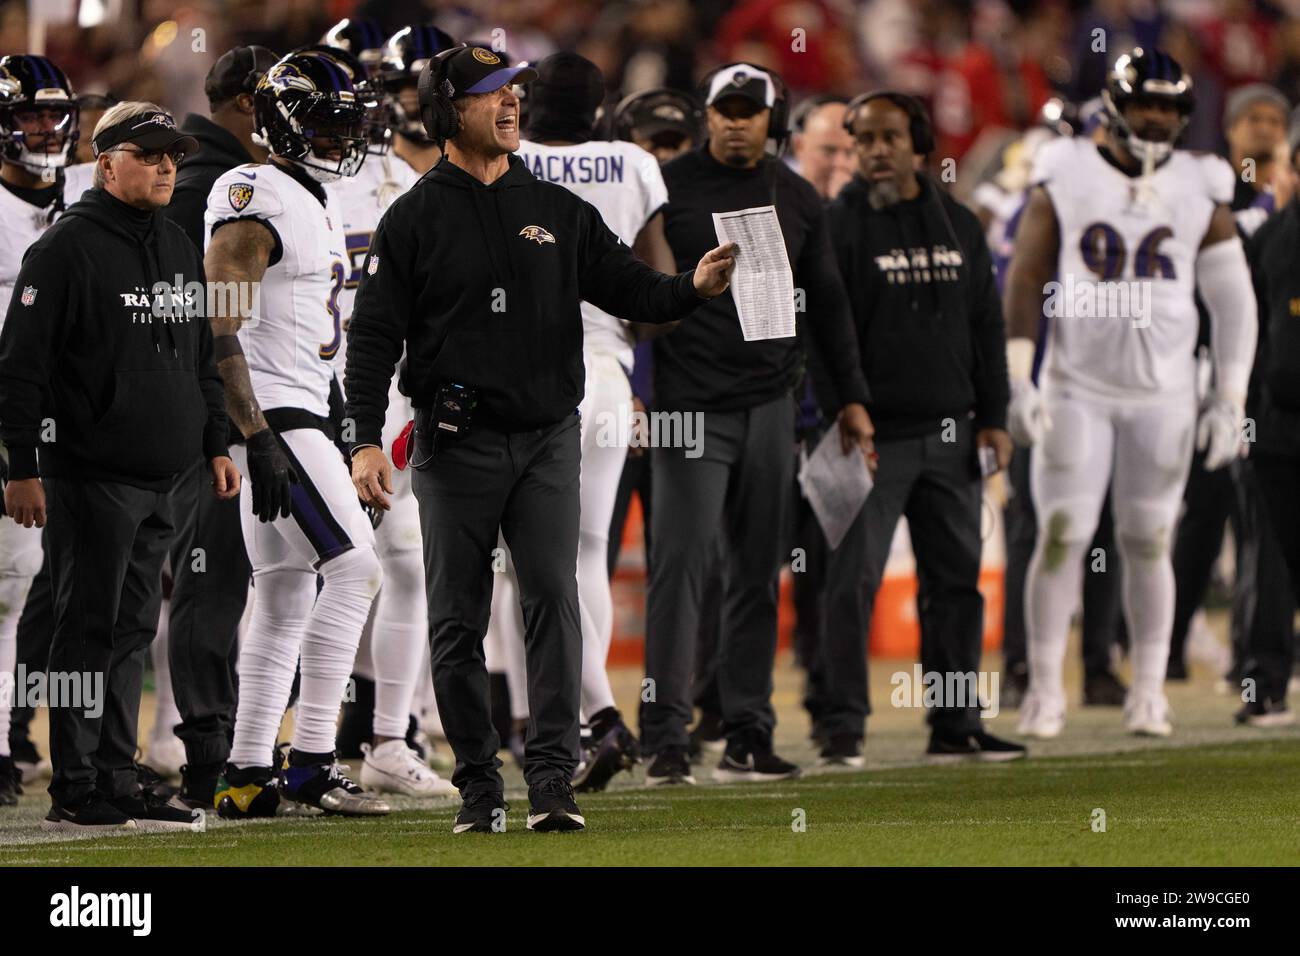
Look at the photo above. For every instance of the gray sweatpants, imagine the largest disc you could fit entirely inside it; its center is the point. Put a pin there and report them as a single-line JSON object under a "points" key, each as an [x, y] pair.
{"points": [[740, 485]]}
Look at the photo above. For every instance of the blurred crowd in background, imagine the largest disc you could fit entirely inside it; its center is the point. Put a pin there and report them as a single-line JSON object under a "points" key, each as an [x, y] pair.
{"points": [[982, 66]]}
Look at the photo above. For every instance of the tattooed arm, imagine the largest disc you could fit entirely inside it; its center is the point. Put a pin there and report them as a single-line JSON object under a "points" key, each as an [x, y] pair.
{"points": [[240, 251]]}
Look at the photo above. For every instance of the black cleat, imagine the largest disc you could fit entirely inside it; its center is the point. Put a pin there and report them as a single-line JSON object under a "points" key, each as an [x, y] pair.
{"points": [[1103, 689], [617, 750], [979, 746], [199, 784], [482, 812], [10, 782], [749, 759], [551, 807], [669, 768], [91, 815], [1265, 713], [326, 787], [244, 792], [153, 814], [708, 737], [841, 750]]}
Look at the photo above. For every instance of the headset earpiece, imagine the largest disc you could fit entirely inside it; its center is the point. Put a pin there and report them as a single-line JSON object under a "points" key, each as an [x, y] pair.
{"points": [[437, 112], [918, 120]]}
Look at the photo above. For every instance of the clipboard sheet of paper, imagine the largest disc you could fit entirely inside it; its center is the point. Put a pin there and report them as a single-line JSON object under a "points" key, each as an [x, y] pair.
{"points": [[835, 484], [762, 285]]}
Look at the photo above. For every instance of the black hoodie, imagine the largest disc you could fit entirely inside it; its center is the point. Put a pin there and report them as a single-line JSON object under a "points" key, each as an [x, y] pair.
{"points": [[88, 372], [219, 152], [483, 283], [926, 308]]}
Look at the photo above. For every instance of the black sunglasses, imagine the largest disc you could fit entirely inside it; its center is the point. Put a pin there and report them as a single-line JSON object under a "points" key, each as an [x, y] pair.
{"points": [[152, 157]]}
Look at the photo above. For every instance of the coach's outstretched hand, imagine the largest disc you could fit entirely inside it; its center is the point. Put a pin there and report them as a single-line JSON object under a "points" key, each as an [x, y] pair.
{"points": [[271, 474], [372, 475], [713, 274]]}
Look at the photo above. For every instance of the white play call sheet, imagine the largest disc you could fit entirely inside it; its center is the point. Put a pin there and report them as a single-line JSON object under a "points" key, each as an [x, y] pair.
{"points": [[835, 484], [762, 284]]}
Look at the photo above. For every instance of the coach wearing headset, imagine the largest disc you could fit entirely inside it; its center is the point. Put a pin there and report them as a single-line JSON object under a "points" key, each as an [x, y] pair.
{"points": [[478, 270], [926, 310], [738, 480]]}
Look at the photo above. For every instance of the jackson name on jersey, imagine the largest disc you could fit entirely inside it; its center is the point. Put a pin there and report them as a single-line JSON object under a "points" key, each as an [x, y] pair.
{"points": [[295, 330], [1121, 231], [623, 182]]}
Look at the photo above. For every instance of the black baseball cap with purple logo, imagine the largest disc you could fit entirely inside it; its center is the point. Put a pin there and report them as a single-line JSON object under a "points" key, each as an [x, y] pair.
{"points": [[154, 129], [476, 69]]}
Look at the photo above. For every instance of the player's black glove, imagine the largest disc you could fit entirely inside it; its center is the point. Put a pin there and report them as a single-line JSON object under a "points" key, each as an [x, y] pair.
{"points": [[271, 474]]}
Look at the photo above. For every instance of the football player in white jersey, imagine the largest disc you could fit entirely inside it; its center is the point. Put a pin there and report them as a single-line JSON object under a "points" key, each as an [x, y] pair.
{"points": [[394, 649], [1132, 228], [271, 224], [38, 134], [624, 183]]}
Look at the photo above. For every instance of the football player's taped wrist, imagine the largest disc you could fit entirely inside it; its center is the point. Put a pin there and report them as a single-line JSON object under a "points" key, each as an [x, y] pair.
{"points": [[1020, 359]]}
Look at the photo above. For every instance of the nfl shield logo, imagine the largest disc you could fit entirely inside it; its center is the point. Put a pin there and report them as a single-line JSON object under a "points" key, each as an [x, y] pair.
{"points": [[240, 196], [373, 265], [29, 295]]}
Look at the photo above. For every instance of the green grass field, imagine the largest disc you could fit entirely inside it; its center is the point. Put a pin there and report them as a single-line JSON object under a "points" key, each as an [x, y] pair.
{"points": [[1205, 805]]}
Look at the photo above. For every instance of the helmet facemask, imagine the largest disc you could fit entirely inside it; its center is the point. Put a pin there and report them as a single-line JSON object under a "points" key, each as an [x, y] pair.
{"points": [[1146, 151], [320, 126], [26, 140]]}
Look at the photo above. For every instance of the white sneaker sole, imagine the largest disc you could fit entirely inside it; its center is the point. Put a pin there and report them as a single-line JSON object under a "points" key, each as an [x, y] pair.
{"points": [[556, 822], [1268, 721], [65, 826], [34, 771], [688, 780], [1150, 730], [750, 776], [854, 762]]}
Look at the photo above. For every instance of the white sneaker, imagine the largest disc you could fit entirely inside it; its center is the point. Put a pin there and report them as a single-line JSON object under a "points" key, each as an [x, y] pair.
{"points": [[1041, 716], [393, 767], [1147, 714], [166, 755]]}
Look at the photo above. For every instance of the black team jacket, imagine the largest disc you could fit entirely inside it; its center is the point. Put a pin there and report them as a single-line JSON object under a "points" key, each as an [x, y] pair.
{"points": [[1274, 399], [925, 306], [483, 283], [132, 394]]}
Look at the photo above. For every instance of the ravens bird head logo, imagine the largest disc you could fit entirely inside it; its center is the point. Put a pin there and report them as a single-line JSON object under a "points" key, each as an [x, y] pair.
{"points": [[537, 234]]}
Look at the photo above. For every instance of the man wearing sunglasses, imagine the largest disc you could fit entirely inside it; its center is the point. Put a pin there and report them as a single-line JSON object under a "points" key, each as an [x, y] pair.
{"points": [[106, 366]]}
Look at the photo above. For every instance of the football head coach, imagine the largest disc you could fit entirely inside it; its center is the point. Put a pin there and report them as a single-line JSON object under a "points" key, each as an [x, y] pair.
{"points": [[478, 272], [103, 370]]}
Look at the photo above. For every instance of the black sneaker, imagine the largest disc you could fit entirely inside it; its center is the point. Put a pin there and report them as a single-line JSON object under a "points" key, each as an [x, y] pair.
{"points": [[841, 750], [10, 782], [199, 784], [957, 748], [153, 814], [670, 767], [1265, 713], [155, 783], [551, 807], [325, 786], [1103, 690], [244, 792], [749, 759], [617, 750], [482, 812], [708, 737], [93, 814]]}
